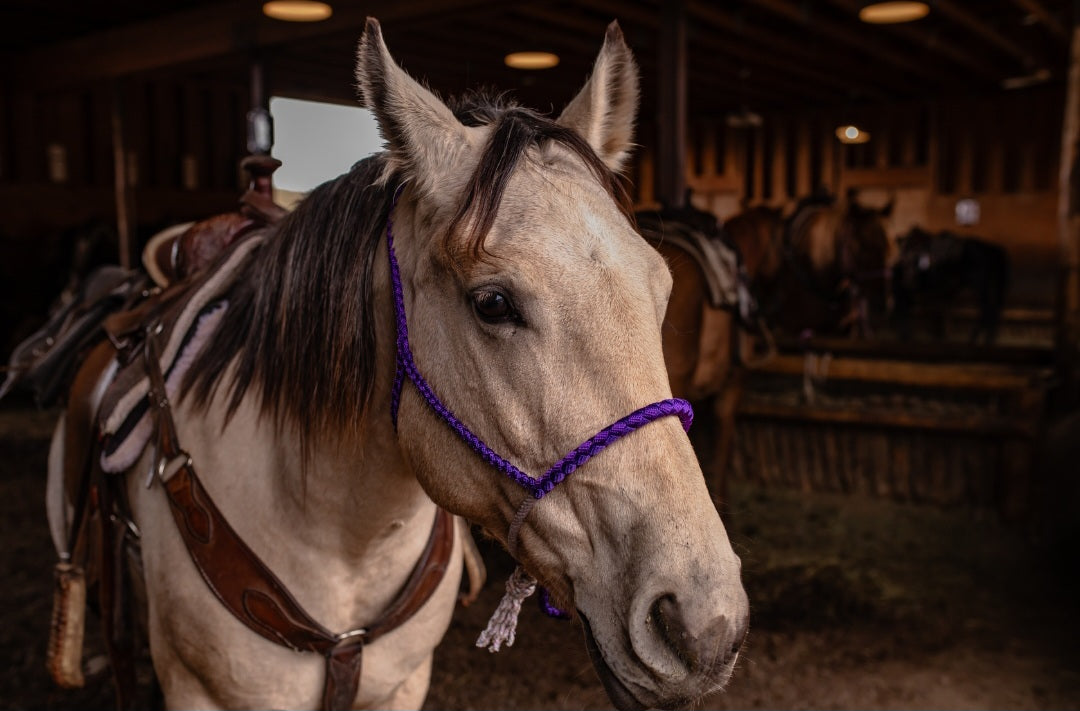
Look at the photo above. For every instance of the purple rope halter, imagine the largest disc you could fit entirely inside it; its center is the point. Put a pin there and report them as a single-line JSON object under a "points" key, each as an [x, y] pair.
{"points": [[406, 368]]}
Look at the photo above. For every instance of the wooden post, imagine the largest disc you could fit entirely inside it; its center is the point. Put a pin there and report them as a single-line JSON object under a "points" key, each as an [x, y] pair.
{"points": [[260, 126], [671, 152], [1068, 335], [124, 200]]}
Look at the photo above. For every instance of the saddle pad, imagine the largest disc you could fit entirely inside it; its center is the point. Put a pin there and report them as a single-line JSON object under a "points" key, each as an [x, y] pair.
{"points": [[124, 416], [718, 263]]}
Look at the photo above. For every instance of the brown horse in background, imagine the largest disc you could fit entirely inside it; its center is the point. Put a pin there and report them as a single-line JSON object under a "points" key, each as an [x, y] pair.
{"points": [[820, 271], [704, 345]]}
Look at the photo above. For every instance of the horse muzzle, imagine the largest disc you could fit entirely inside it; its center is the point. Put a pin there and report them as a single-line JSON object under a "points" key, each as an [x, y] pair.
{"points": [[671, 654]]}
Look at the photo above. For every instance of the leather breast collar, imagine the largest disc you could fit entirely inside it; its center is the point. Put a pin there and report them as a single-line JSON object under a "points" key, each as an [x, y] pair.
{"points": [[249, 589]]}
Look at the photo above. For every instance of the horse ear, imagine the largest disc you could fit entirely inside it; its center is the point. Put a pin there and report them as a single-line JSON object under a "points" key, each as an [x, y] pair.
{"points": [[887, 210], [424, 137], [605, 109]]}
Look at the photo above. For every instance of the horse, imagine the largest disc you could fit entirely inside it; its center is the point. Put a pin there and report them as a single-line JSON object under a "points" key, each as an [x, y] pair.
{"points": [[932, 270], [821, 270], [427, 333], [706, 337]]}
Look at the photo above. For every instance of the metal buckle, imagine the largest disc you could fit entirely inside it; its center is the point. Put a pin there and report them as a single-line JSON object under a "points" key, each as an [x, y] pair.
{"points": [[358, 632], [161, 465]]}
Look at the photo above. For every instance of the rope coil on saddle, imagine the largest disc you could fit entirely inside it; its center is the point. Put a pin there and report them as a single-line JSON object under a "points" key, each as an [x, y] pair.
{"points": [[501, 628]]}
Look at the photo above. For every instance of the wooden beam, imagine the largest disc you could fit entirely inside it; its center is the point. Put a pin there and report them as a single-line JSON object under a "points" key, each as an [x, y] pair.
{"points": [[977, 424], [122, 185], [1034, 7], [961, 16], [206, 32], [777, 172], [796, 77], [568, 20], [1068, 331], [953, 376], [785, 83], [746, 40], [864, 42], [624, 12], [671, 109], [917, 36]]}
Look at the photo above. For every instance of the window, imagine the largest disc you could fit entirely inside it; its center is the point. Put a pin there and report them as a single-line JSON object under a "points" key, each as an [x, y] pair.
{"points": [[318, 141]]}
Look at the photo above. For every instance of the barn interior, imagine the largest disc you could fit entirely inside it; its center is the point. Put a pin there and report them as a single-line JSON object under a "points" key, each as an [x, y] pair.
{"points": [[121, 118]]}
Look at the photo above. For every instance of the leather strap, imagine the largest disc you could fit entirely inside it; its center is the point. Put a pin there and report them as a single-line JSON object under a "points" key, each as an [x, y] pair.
{"points": [[250, 590]]}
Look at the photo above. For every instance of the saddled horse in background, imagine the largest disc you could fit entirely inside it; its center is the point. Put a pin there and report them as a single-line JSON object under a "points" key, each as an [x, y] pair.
{"points": [[471, 303], [819, 271], [709, 330], [933, 270]]}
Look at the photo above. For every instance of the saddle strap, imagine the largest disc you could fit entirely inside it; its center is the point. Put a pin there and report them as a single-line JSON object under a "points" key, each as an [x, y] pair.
{"points": [[244, 584]]}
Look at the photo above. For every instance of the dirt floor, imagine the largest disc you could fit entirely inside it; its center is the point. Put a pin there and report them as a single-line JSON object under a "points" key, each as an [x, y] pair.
{"points": [[856, 603]]}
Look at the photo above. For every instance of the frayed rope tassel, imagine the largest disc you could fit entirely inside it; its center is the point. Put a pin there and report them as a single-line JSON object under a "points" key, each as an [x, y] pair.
{"points": [[502, 626]]}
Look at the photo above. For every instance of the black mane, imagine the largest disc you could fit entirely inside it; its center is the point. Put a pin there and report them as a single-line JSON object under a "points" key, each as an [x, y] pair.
{"points": [[299, 324]]}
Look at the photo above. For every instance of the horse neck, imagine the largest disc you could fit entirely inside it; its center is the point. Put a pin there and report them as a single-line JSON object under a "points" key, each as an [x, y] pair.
{"points": [[351, 491]]}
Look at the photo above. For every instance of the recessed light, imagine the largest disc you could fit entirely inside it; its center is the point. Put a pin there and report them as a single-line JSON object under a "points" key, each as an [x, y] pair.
{"points": [[892, 12], [297, 10], [852, 134], [531, 60]]}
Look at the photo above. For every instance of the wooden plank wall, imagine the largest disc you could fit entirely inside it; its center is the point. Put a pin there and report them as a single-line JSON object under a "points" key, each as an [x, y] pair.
{"points": [[957, 434], [56, 152], [1001, 150], [57, 184]]}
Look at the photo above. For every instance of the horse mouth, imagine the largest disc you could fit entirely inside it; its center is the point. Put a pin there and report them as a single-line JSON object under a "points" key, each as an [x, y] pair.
{"points": [[620, 695]]}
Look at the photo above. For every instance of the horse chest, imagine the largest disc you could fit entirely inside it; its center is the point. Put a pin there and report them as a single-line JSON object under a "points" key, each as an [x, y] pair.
{"points": [[206, 655]]}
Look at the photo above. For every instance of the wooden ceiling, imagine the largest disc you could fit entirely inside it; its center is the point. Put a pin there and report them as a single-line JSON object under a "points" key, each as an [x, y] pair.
{"points": [[757, 54]]}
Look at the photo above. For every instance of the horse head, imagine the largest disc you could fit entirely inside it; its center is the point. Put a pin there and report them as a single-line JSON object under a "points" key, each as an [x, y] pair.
{"points": [[534, 311]]}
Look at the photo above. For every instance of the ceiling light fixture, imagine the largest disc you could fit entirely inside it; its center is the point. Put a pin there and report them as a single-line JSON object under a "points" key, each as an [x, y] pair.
{"points": [[852, 134], [893, 12], [531, 60], [297, 10]]}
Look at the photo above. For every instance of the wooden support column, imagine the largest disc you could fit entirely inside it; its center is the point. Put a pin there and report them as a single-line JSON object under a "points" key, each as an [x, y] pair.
{"points": [[804, 181], [1068, 335], [124, 197], [965, 158], [260, 125], [671, 152], [759, 167], [777, 172]]}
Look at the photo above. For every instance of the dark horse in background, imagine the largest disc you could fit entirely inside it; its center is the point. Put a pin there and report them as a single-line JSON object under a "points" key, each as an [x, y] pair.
{"points": [[819, 271], [933, 270]]}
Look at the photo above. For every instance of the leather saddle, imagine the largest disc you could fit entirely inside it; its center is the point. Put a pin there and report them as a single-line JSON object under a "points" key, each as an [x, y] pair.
{"points": [[113, 301], [75, 360]]}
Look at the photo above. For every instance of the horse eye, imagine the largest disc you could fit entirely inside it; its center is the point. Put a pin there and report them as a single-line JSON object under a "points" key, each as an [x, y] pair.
{"points": [[492, 305]]}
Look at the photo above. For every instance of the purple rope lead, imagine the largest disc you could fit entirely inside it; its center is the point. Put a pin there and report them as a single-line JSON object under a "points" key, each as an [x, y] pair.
{"points": [[548, 608]]}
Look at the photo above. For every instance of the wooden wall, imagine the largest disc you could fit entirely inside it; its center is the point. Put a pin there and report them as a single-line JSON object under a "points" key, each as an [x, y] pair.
{"points": [[184, 139], [185, 136], [1001, 150]]}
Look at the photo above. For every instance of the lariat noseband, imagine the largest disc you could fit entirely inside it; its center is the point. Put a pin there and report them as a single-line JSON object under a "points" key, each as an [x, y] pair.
{"points": [[537, 487]]}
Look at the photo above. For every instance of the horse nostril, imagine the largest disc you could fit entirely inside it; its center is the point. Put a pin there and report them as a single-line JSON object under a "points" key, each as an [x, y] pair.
{"points": [[671, 627], [710, 647]]}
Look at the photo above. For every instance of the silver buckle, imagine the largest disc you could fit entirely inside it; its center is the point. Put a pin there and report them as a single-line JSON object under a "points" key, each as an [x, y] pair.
{"points": [[162, 465]]}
